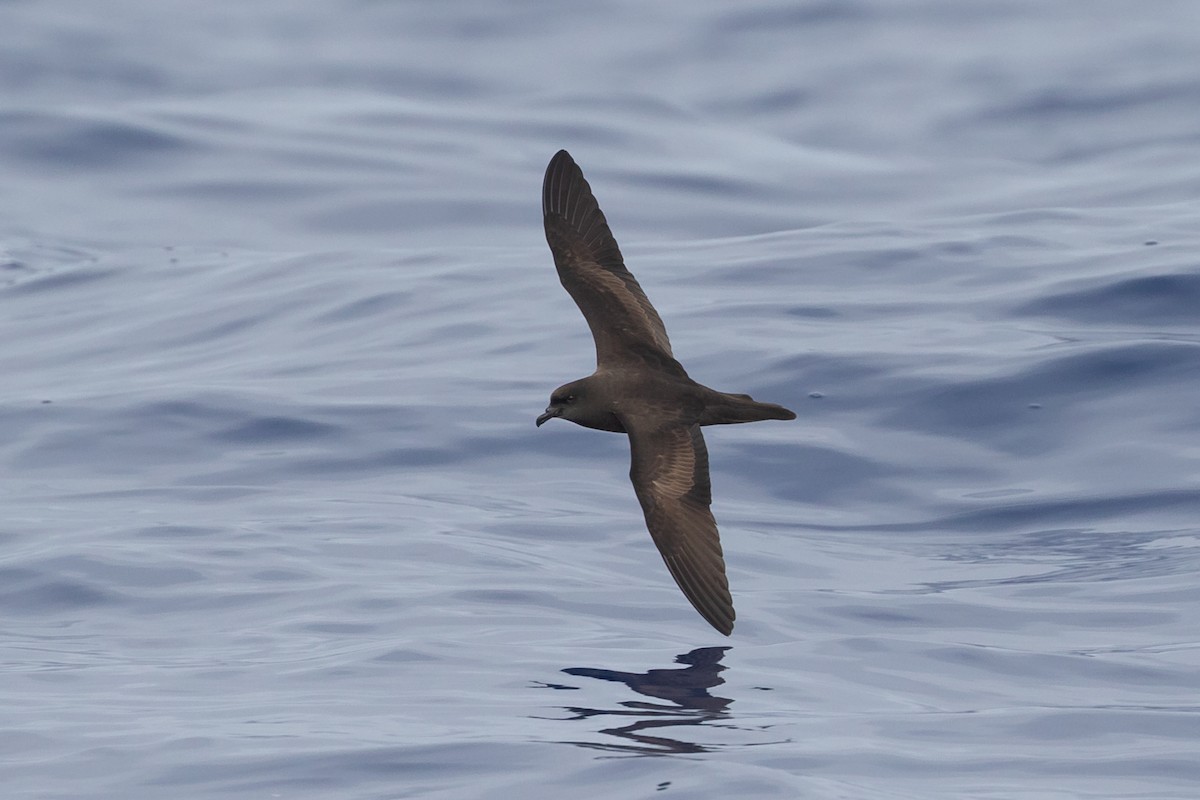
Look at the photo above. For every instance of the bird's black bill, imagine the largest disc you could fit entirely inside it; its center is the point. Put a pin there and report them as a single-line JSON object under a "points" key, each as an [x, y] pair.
{"points": [[550, 412]]}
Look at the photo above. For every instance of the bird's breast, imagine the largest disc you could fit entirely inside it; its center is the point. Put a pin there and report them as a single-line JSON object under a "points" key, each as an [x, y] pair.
{"points": [[601, 421]]}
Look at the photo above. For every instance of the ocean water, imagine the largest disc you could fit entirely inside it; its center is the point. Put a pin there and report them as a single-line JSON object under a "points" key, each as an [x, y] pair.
{"points": [[277, 315]]}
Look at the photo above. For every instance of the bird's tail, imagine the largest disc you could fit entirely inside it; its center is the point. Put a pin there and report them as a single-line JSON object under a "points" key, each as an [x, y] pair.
{"points": [[727, 409]]}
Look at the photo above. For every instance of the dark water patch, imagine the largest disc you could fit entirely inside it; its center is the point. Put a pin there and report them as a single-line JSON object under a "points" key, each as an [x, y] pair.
{"points": [[247, 191], [947, 612], [1047, 513], [507, 597], [812, 312], [131, 437], [339, 628], [696, 184], [808, 474], [401, 656], [176, 531], [1055, 666], [64, 143], [1051, 104], [41, 594], [1152, 301], [59, 280], [15, 576], [139, 576], [872, 614], [846, 381], [189, 413], [1032, 410], [397, 458], [777, 100], [458, 766], [1036, 218], [274, 430], [779, 18], [73, 580], [380, 304], [385, 213], [280, 575], [1077, 555]]}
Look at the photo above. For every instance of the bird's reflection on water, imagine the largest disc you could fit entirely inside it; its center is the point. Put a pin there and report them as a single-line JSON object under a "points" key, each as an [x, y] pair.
{"points": [[688, 702]]}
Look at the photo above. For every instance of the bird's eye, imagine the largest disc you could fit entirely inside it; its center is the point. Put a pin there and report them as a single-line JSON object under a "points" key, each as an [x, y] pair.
{"points": [[569, 399]]}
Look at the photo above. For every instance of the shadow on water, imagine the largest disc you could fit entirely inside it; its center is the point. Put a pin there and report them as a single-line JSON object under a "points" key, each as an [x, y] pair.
{"points": [[688, 702]]}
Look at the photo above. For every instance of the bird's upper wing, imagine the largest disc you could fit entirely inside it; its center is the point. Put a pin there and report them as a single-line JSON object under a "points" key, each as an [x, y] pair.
{"points": [[670, 475], [625, 326]]}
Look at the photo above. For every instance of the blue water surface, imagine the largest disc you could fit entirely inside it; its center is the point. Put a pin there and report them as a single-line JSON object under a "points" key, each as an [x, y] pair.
{"points": [[277, 315]]}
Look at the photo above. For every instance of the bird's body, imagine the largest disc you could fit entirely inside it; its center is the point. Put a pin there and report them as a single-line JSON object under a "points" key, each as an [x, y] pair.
{"points": [[639, 389], [610, 394]]}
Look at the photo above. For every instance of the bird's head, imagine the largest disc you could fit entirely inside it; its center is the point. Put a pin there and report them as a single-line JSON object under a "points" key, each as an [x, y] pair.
{"points": [[566, 401]]}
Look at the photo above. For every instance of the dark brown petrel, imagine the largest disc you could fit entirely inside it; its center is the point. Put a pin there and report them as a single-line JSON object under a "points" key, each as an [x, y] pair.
{"points": [[639, 389]]}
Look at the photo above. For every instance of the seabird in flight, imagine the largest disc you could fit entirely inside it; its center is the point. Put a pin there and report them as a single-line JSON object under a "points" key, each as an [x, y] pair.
{"points": [[639, 389]]}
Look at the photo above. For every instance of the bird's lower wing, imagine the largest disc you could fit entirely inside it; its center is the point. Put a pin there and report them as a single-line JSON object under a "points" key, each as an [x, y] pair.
{"points": [[670, 475]]}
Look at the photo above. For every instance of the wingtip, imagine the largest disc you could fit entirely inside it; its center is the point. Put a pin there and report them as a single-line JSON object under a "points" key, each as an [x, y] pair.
{"points": [[561, 160], [713, 604], [710, 598], [723, 622], [717, 612], [566, 196], [778, 412], [562, 175]]}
